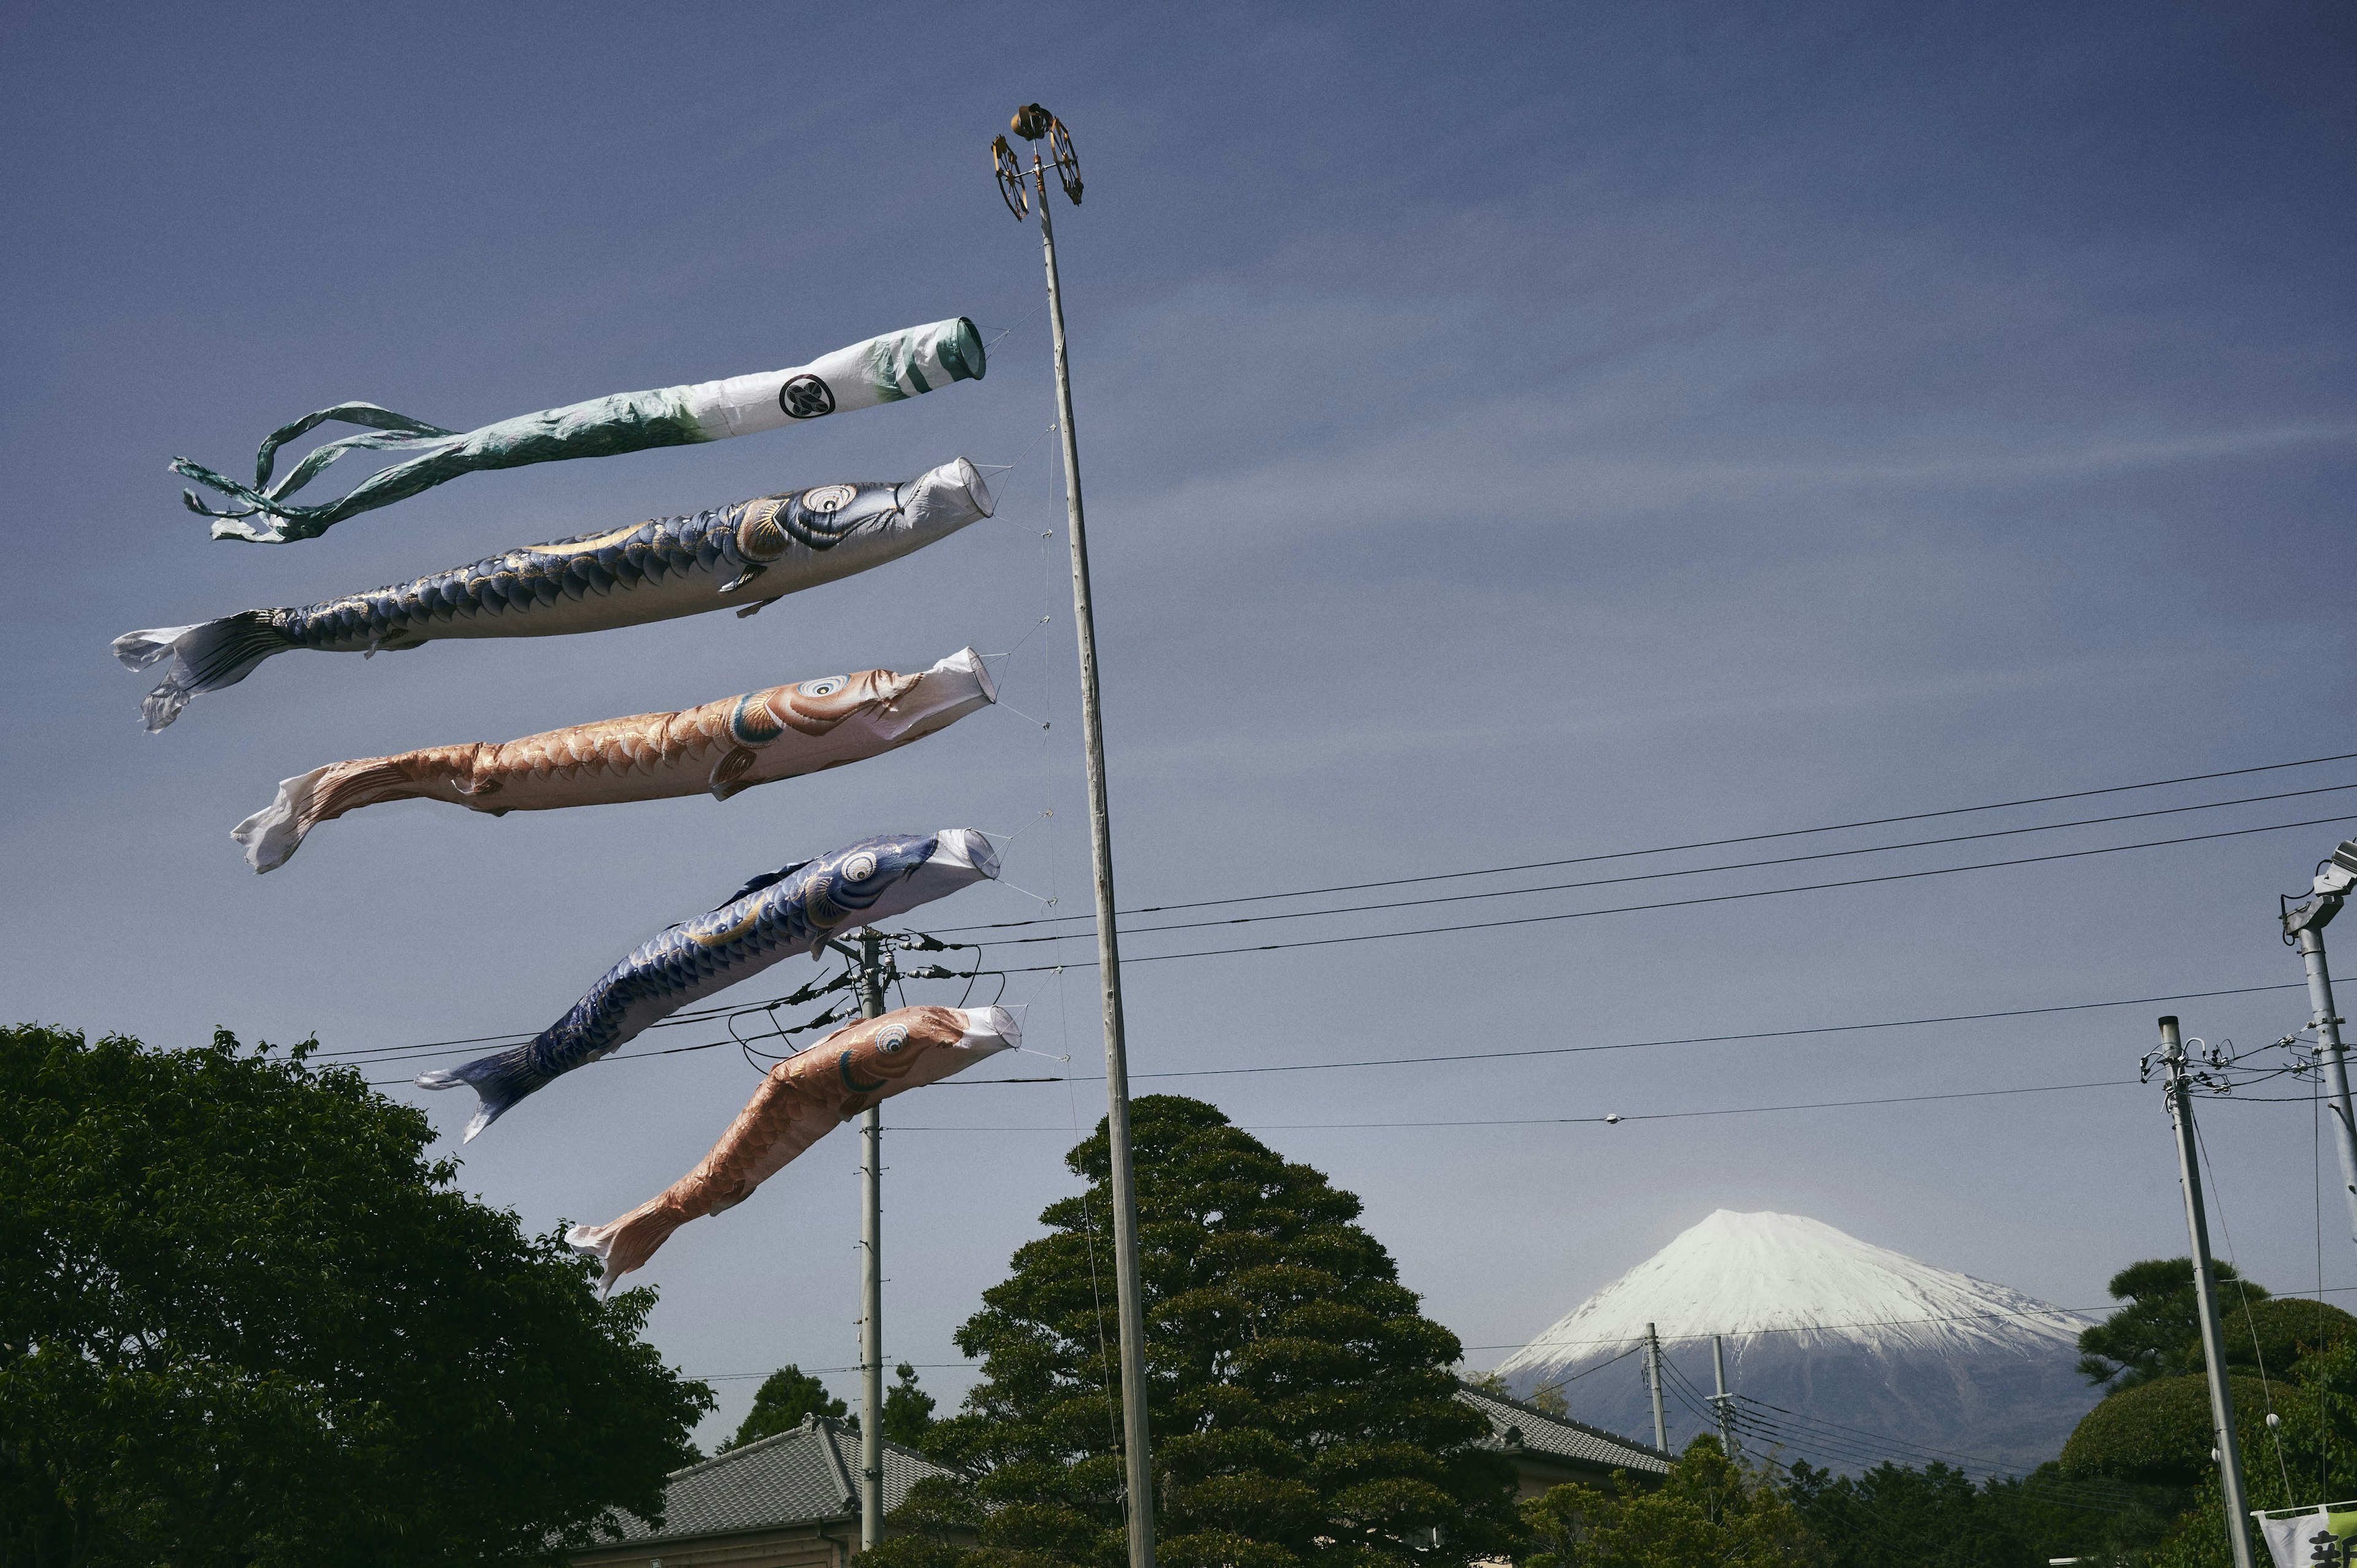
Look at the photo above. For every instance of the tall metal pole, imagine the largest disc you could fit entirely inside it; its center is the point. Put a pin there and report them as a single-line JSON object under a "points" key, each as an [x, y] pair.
{"points": [[1653, 1381], [2334, 1057], [1034, 122], [1719, 1399], [2205, 1293], [871, 1278]]}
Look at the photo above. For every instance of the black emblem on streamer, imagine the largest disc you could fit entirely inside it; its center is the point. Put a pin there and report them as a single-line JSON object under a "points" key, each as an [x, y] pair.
{"points": [[806, 397]]}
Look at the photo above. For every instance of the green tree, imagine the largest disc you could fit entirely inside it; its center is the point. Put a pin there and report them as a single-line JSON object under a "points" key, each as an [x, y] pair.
{"points": [[1708, 1510], [244, 1319], [784, 1398], [908, 1408], [1303, 1409], [2153, 1334]]}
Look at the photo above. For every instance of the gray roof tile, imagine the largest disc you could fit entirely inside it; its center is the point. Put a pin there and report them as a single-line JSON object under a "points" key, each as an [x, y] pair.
{"points": [[801, 1476], [1514, 1424]]}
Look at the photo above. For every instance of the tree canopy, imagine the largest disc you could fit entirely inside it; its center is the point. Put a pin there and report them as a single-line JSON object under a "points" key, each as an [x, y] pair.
{"points": [[244, 1319], [1708, 1510], [784, 1398], [2158, 1328], [1303, 1409]]}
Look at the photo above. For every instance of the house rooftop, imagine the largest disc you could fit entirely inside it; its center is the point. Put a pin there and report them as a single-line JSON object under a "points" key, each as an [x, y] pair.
{"points": [[1518, 1427], [808, 1476]]}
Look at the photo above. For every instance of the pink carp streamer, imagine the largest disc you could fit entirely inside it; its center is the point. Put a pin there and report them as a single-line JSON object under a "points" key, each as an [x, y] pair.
{"points": [[721, 747], [798, 1103]]}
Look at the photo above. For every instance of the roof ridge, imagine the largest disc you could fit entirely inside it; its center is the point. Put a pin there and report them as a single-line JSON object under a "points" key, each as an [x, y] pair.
{"points": [[726, 1454], [1527, 1409]]}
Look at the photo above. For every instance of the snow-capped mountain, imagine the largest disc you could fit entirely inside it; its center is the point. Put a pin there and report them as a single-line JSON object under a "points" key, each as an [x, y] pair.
{"points": [[1872, 1353]]}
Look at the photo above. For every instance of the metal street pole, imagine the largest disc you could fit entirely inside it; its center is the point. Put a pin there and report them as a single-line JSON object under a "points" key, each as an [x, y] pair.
{"points": [[1719, 1400], [2205, 1293], [2304, 927], [871, 1278], [1653, 1381], [1034, 123]]}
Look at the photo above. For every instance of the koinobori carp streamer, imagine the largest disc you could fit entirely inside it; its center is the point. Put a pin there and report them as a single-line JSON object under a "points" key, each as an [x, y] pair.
{"points": [[800, 1100], [791, 910], [742, 557], [888, 369], [721, 747]]}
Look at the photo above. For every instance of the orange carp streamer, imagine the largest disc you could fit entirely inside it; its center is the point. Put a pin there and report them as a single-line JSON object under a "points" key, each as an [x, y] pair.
{"points": [[799, 1102], [720, 748]]}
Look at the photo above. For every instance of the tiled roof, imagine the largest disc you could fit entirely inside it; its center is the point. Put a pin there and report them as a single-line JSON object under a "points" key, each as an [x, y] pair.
{"points": [[1513, 1424], [802, 1477]]}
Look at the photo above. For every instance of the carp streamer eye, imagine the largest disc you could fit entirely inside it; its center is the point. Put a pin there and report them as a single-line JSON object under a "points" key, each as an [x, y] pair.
{"points": [[892, 1039], [828, 497], [859, 867], [824, 686]]}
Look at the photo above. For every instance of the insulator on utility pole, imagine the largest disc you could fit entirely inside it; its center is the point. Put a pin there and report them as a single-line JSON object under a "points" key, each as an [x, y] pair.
{"points": [[2228, 1453], [1034, 124], [1719, 1401], [2303, 927]]}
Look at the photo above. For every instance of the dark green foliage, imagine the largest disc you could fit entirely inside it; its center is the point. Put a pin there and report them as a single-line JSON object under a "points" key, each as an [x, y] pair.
{"points": [[244, 1320], [2159, 1327], [1303, 1409], [1896, 1514], [785, 1397], [2160, 1433], [908, 1408], [1708, 1510]]}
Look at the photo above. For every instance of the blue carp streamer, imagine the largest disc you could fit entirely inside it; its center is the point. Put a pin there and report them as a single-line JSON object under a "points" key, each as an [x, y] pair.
{"points": [[890, 369], [788, 911], [736, 557]]}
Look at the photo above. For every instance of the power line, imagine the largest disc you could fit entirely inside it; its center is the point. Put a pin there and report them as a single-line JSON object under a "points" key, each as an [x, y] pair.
{"points": [[1662, 875], [1680, 903], [1698, 843], [1502, 1055], [1570, 1120]]}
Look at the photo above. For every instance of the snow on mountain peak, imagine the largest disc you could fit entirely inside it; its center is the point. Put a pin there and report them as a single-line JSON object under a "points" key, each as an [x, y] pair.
{"points": [[1745, 1276]]}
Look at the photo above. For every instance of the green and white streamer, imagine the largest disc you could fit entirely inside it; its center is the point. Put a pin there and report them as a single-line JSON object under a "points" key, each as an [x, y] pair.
{"points": [[888, 369]]}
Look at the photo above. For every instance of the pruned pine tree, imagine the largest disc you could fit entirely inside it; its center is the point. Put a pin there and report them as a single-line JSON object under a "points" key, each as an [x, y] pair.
{"points": [[784, 1398], [1303, 1409]]}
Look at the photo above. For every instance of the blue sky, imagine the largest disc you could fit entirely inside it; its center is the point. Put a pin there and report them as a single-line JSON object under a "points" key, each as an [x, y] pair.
{"points": [[1511, 434]]}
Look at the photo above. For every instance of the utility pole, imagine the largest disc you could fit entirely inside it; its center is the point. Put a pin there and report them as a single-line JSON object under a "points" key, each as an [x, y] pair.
{"points": [[2304, 928], [871, 1278], [1653, 1381], [2205, 1293], [1719, 1401], [1034, 124]]}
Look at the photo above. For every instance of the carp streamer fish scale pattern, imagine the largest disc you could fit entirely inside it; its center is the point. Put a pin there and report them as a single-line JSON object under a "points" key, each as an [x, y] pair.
{"points": [[721, 747], [776, 916], [740, 557], [801, 1101]]}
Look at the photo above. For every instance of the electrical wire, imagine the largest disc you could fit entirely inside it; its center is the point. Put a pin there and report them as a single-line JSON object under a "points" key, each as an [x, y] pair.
{"points": [[1684, 903], [1698, 843], [1500, 1055], [1613, 1117], [1662, 875]]}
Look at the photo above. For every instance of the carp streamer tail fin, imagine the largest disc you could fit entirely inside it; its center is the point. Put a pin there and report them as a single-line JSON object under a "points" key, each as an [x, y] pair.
{"points": [[204, 658], [273, 835], [498, 1081], [624, 1244], [284, 520]]}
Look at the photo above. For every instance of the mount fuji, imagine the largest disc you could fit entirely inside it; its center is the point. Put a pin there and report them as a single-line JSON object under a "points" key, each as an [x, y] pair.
{"points": [[1870, 1353]]}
